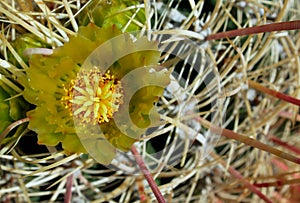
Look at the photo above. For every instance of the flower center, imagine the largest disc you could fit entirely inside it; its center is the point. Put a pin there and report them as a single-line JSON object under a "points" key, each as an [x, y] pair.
{"points": [[95, 97]]}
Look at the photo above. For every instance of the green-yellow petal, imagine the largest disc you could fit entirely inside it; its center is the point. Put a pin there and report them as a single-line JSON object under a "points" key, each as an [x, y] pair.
{"points": [[116, 137], [38, 122], [72, 144]]}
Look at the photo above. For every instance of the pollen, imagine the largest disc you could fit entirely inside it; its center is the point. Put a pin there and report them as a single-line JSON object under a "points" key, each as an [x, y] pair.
{"points": [[94, 97]]}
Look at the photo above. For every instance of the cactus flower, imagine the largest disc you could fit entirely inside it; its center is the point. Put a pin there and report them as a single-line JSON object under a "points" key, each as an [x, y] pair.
{"points": [[64, 91]]}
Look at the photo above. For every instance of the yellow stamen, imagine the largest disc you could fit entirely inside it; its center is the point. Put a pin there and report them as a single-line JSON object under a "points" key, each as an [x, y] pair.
{"points": [[95, 97]]}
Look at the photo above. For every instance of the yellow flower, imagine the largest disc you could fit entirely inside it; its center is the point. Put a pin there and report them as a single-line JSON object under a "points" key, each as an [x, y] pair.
{"points": [[73, 102]]}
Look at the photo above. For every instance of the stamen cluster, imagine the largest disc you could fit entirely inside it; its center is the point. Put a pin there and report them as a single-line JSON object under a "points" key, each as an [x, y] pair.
{"points": [[94, 97]]}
